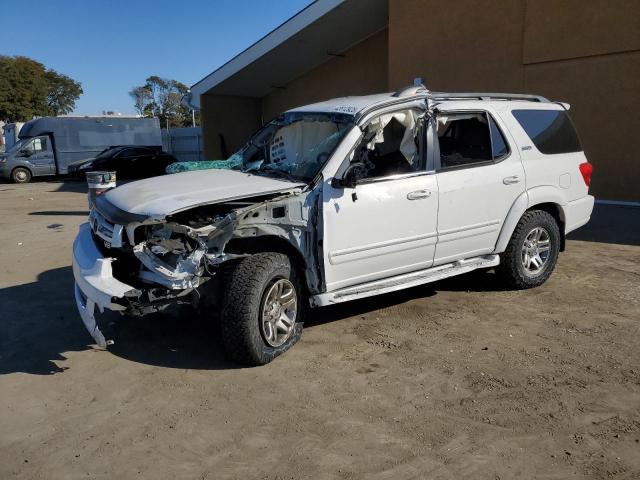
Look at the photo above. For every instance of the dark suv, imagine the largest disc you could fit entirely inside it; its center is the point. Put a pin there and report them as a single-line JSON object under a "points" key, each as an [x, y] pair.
{"points": [[127, 162]]}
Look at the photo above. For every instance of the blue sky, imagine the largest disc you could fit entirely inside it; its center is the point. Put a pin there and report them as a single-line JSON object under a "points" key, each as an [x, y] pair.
{"points": [[112, 45]]}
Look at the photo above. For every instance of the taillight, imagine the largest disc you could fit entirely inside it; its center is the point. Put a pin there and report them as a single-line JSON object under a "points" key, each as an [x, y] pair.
{"points": [[586, 169]]}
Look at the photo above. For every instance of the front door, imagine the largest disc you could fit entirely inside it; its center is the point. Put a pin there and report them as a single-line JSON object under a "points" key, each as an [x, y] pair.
{"points": [[386, 224], [479, 177], [42, 156]]}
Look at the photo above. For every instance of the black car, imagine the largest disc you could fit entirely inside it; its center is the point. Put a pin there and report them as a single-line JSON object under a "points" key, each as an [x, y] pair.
{"points": [[128, 161]]}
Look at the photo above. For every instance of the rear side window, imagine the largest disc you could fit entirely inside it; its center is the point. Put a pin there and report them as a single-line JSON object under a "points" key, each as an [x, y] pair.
{"points": [[469, 138], [550, 130]]}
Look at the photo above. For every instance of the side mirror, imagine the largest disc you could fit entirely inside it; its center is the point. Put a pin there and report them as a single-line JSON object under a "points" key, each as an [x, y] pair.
{"points": [[350, 177], [25, 152]]}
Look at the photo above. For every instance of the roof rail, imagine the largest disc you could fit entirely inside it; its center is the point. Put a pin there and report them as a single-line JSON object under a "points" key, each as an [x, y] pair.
{"points": [[487, 96]]}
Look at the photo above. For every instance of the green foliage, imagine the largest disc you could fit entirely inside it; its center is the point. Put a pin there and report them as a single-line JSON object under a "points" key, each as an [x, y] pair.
{"points": [[63, 93], [162, 98], [28, 89]]}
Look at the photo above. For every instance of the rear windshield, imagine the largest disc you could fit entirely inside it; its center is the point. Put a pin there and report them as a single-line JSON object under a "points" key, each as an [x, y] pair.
{"points": [[550, 130]]}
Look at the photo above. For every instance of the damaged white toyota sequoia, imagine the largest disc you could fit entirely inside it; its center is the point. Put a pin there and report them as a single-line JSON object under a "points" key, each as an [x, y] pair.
{"points": [[336, 201]]}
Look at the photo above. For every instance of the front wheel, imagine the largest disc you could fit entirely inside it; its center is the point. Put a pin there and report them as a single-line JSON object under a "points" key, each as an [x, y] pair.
{"points": [[262, 308], [20, 175], [532, 252]]}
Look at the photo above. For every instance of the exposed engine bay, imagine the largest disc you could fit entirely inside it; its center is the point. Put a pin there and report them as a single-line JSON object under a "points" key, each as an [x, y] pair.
{"points": [[168, 260]]}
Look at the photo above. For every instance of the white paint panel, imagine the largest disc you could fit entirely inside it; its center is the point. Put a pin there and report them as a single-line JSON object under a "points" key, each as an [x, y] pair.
{"points": [[381, 232], [474, 203]]}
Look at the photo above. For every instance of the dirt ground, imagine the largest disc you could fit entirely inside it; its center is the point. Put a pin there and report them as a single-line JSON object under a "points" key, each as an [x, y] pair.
{"points": [[457, 379]]}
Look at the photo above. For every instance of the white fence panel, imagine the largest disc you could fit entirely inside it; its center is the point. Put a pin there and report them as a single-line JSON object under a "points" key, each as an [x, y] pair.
{"points": [[183, 143]]}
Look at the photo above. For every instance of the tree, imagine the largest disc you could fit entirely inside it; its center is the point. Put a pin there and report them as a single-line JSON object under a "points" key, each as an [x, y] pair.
{"points": [[142, 98], [63, 93], [162, 98], [28, 89]]}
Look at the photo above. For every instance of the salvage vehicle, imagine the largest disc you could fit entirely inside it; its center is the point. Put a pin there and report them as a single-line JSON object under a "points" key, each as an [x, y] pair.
{"points": [[128, 161], [337, 201], [48, 145]]}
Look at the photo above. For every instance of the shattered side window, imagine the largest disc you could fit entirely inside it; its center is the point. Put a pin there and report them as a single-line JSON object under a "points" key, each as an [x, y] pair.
{"points": [[391, 145]]}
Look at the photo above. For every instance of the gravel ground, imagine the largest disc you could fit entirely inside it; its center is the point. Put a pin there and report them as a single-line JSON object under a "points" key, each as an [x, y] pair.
{"points": [[457, 379]]}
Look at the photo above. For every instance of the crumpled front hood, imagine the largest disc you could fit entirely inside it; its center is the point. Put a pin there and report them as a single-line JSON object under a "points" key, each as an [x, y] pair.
{"points": [[158, 197]]}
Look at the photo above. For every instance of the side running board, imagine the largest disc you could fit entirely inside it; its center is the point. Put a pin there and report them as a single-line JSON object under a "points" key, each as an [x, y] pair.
{"points": [[406, 280]]}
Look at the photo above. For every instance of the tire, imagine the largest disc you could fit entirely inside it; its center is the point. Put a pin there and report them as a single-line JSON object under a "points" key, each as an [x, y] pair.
{"points": [[539, 230], [21, 175], [247, 334]]}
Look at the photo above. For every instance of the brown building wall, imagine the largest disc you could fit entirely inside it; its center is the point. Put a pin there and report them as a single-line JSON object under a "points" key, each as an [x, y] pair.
{"points": [[456, 45], [235, 118], [586, 53], [361, 71]]}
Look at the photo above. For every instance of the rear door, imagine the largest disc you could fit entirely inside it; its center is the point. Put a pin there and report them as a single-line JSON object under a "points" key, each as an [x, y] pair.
{"points": [[479, 176]]}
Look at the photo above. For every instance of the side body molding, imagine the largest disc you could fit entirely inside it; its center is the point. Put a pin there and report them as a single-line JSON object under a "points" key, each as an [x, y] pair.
{"points": [[528, 199]]}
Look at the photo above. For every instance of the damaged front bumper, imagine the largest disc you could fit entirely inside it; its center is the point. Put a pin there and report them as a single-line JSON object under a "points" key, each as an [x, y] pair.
{"points": [[95, 285]]}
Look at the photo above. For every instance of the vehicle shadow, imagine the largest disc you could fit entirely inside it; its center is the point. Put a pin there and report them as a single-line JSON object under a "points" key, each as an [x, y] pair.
{"points": [[41, 325], [354, 308], [475, 281], [619, 224]]}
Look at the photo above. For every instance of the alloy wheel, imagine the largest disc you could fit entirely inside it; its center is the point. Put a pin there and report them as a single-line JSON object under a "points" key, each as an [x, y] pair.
{"points": [[536, 250], [279, 309]]}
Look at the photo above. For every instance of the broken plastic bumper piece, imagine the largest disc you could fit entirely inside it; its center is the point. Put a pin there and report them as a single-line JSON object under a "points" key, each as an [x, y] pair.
{"points": [[95, 285]]}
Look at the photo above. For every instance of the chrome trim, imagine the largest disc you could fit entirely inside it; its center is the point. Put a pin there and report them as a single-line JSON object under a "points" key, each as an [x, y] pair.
{"points": [[387, 243], [107, 231], [469, 227], [399, 176]]}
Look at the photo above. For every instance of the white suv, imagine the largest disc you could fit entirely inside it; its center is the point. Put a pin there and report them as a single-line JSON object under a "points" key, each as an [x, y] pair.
{"points": [[340, 200]]}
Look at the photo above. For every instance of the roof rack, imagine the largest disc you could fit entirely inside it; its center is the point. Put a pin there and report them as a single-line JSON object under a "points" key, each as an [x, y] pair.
{"points": [[410, 91], [487, 96]]}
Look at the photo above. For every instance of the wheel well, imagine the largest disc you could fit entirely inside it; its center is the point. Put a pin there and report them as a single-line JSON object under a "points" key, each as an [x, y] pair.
{"points": [[555, 211], [269, 243]]}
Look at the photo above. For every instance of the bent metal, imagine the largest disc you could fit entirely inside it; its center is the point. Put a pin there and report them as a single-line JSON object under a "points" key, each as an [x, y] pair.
{"points": [[335, 201]]}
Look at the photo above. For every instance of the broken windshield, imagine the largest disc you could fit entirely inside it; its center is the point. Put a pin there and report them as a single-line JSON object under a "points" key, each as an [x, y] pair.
{"points": [[294, 146]]}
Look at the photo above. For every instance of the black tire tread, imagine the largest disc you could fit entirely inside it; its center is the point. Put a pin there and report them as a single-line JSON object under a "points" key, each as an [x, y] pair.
{"points": [[509, 260], [241, 299]]}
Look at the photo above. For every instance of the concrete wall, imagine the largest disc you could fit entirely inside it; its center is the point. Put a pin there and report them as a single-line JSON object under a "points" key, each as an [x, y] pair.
{"points": [[584, 52], [361, 71]]}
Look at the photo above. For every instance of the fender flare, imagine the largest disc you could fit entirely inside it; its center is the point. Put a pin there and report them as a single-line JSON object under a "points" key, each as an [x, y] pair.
{"points": [[525, 201]]}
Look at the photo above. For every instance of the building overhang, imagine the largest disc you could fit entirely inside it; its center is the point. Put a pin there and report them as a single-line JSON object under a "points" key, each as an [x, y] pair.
{"points": [[325, 29]]}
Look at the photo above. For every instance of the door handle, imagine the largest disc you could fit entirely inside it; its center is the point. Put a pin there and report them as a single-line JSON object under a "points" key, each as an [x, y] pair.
{"points": [[418, 194], [511, 180]]}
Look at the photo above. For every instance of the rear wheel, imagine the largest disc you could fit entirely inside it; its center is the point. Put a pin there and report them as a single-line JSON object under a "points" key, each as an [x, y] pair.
{"points": [[21, 175], [532, 252], [262, 307]]}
